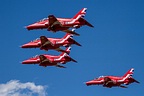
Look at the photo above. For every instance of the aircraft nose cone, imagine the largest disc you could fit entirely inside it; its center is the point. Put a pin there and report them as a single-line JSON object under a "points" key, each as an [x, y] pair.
{"points": [[26, 62], [31, 45], [88, 83], [24, 46], [36, 26], [30, 62], [30, 27]]}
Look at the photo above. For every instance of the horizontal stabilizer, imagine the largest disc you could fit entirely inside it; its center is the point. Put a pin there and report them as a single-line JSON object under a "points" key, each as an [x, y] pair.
{"points": [[123, 86], [61, 50], [86, 22], [136, 81], [73, 60], [71, 32], [77, 43], [60, 66]]}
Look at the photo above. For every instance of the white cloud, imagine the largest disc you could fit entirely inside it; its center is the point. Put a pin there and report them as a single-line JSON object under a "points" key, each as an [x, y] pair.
{"points": [[16, 88]]}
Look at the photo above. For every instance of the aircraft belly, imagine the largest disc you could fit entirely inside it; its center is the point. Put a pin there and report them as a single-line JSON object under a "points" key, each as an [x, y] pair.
{"points": [[47, 64]]}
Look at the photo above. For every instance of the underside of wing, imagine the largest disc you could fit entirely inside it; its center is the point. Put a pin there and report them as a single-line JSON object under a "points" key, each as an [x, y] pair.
{"points": [[53, 21], [45, 41], [108, 82], [44, 60]]}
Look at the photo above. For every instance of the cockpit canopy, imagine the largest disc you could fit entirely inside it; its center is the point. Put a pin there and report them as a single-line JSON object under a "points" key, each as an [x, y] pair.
{"points": [[35, 40], [35, 56], [42, 19], [101, 76]]}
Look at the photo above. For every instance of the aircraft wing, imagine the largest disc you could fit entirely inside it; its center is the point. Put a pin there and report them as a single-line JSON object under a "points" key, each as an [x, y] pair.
{"points": [[53, 21], [108, 82], [43, 60], [45, 41], [71, 32], [60, 66]]}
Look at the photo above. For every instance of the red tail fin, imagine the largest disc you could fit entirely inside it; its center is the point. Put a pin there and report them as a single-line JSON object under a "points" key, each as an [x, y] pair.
{"points": [[67, 36], [67, 51], [81, 13], [129, 73]]}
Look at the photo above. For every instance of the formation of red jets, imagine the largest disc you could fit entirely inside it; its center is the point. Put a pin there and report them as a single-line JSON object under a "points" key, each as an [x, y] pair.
{"points": [[67, 25]]}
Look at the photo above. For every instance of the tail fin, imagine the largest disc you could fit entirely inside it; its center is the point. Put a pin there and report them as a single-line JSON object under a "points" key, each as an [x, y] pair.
{"points": [[80, 14], [68, 35], [129, 73], [68, 49], [63, 54]]}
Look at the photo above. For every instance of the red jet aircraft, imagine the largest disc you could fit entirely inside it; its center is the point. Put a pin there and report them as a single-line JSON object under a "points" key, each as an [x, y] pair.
{"points": [[49, 60], [61, 24], [52, 43], [113, 81]]}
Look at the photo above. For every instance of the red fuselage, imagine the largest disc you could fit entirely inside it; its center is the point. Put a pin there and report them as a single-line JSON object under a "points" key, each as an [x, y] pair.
{"points": [[56, 43], [53, 60], [100, 80], [117, 81], [66, 24]]}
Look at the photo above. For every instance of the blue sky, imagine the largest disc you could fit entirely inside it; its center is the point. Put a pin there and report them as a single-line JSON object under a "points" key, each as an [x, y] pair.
{"points": [[112, 47]]}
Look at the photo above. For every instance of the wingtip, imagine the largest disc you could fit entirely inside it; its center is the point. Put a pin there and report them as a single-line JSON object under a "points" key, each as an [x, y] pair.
{"points": [[74, 60], [137, 81]]}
